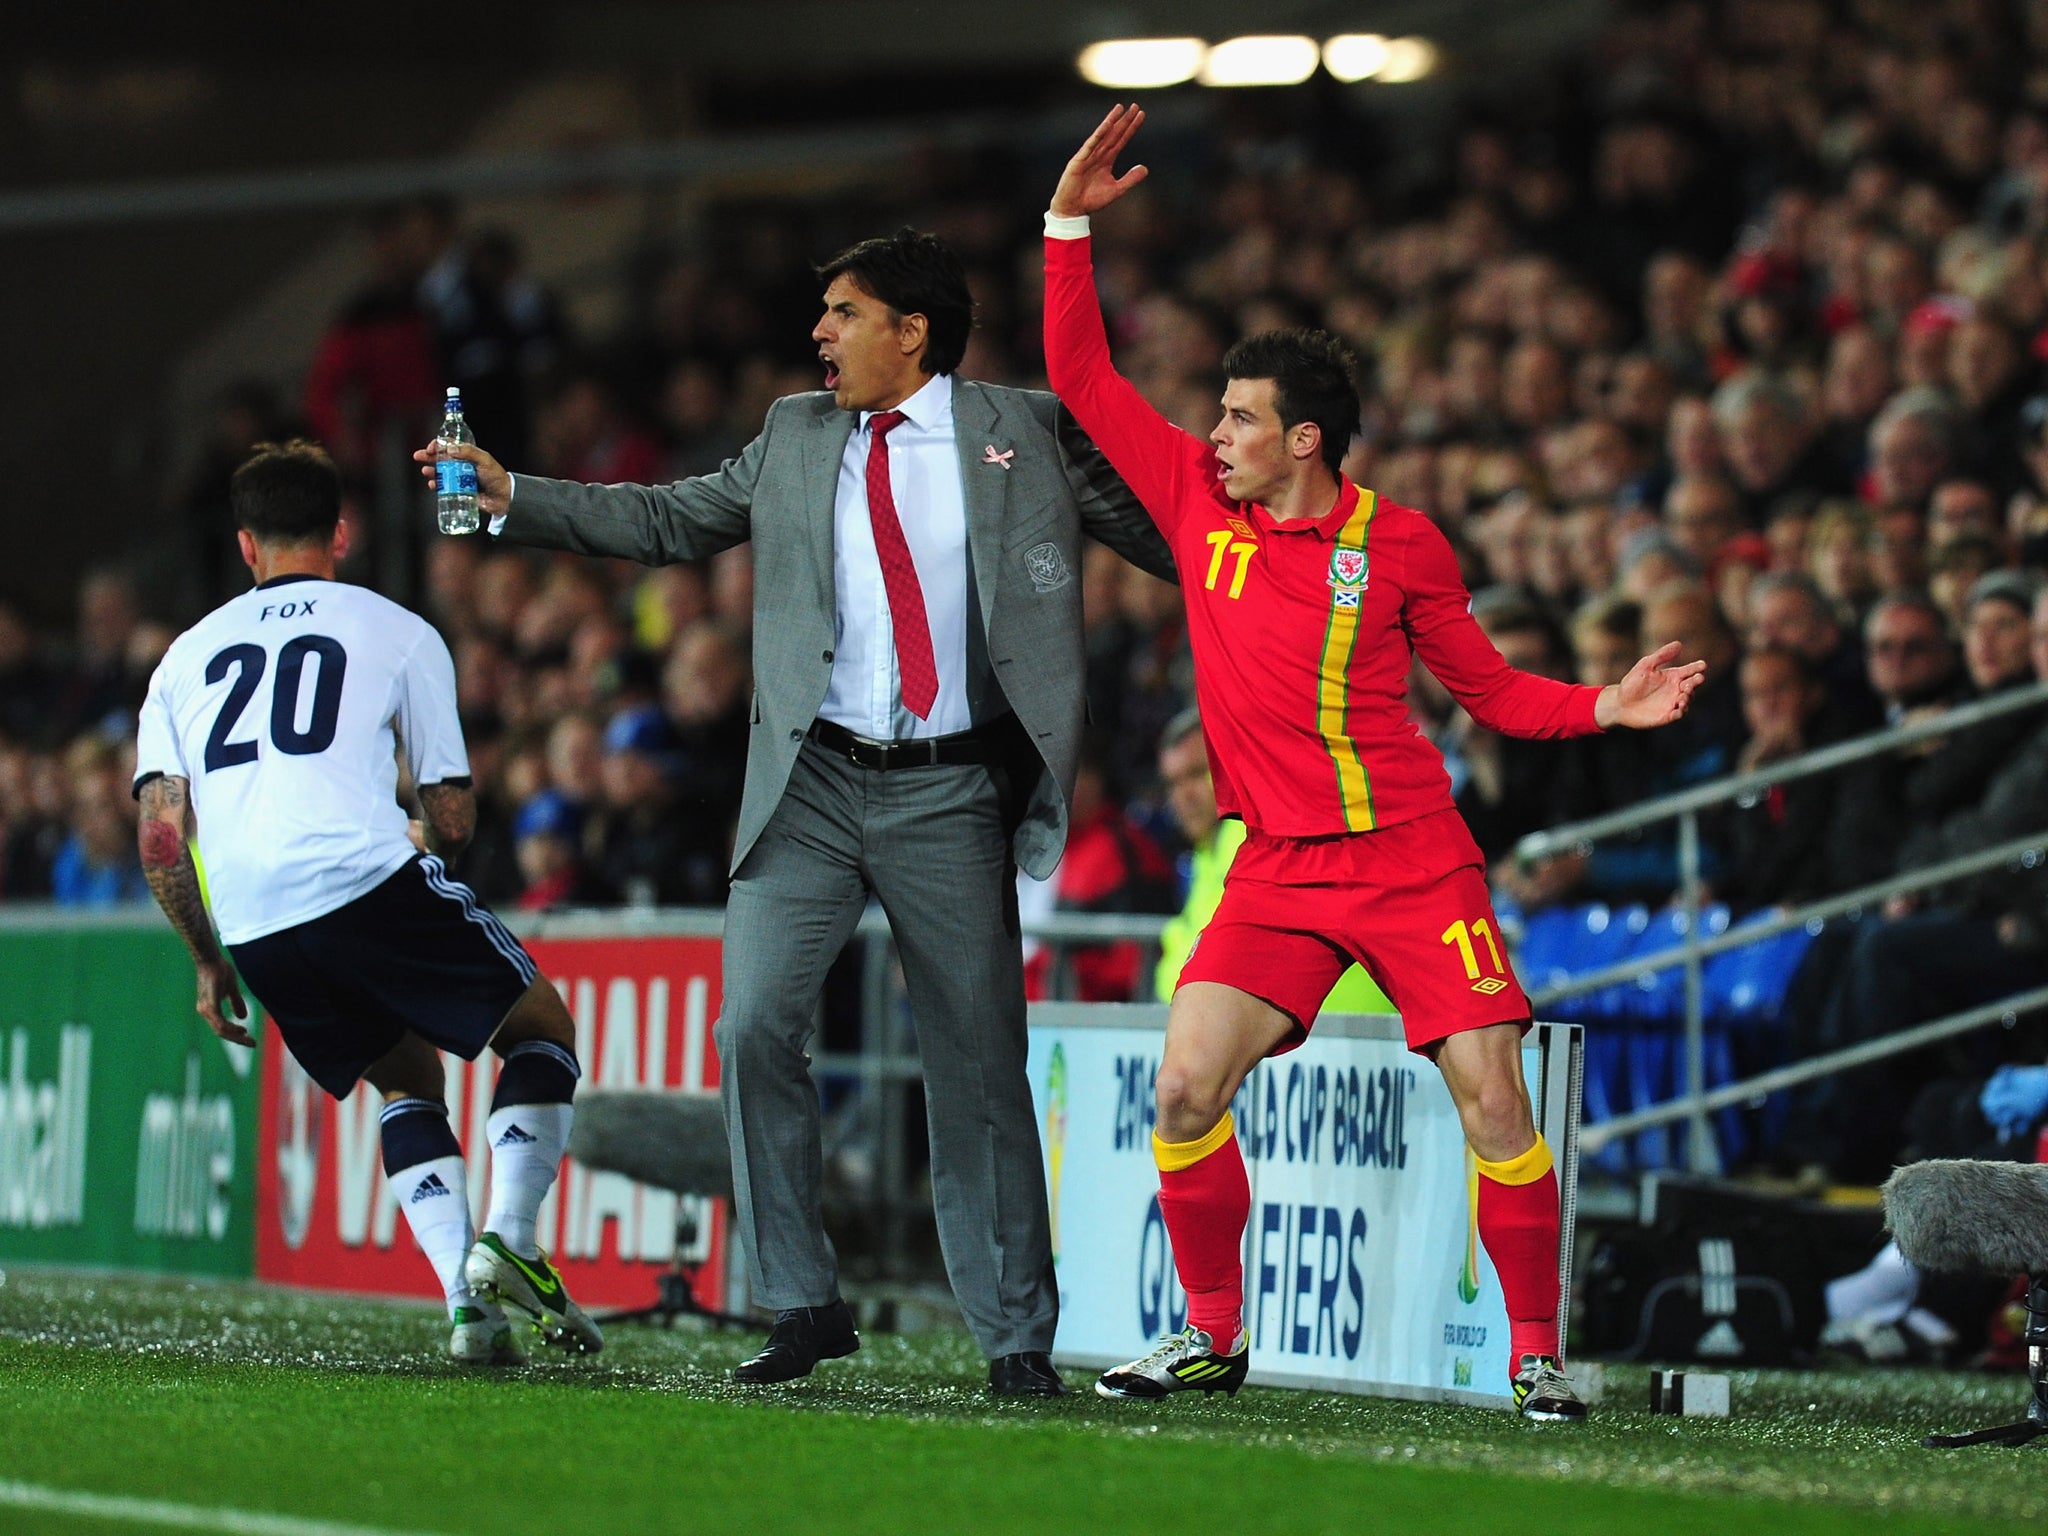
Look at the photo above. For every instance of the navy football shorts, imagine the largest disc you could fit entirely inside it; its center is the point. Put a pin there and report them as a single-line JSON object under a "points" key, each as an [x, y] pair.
{"points": [[417, 953]]}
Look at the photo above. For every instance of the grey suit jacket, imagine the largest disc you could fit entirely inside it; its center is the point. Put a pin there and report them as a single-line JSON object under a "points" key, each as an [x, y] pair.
{"points": [[1025, 518]]}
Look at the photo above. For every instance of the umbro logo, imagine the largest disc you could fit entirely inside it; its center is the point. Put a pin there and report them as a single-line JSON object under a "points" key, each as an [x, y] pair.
{"points": [[515, 1137], [429, 1188], [1490, 985]]}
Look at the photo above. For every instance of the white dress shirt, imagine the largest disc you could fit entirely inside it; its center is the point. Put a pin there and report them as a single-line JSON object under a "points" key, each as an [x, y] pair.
{"points": [[866, 695]]}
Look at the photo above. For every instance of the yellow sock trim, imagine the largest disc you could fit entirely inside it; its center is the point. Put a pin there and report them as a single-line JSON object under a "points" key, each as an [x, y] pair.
{"points": [[1173, 1156], [1526, 1169]]}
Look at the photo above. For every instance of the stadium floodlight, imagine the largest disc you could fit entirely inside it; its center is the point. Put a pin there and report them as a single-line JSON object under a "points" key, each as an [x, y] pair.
{"points": [[1261, 61], [1141, 63], [1408, 58], [1354, 56]]}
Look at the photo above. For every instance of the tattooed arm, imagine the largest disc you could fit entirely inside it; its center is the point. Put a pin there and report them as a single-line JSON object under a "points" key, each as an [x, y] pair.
{"points": [[174, 881], [447, 818]]}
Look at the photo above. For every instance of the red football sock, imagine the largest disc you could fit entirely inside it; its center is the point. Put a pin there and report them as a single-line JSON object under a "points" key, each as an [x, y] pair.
{"points": [[1518, 1222], [1205, 1197]]}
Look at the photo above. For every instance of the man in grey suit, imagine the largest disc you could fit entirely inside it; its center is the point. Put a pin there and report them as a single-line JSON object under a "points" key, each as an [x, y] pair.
{"points": [[917, 715]]}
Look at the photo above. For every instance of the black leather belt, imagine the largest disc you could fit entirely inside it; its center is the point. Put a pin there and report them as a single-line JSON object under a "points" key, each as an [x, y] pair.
{"points": [[930, 751]]}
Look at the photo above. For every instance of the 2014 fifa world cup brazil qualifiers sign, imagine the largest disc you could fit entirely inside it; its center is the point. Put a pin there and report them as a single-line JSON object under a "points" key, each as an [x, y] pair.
{"points": [[1363, 1268]]}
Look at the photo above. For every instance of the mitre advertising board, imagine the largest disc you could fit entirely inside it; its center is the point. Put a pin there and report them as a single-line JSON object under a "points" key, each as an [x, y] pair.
{"points": [[127, 1130], [643, 1008], [1363, 1268]]}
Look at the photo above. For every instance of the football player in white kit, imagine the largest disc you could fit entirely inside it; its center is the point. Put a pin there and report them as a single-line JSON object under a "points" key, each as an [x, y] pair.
{"points": [[276, 721]]}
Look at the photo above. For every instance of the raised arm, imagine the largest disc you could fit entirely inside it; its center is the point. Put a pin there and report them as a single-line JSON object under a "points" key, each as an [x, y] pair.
{"points": [[174, 881], [1160, 462], [1110, 511]]}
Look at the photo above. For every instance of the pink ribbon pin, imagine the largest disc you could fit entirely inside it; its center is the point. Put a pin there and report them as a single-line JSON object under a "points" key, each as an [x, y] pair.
{"points": [[990, 456]]}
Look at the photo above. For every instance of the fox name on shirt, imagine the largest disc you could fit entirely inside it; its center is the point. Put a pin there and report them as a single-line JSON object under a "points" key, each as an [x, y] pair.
{"points": [[286, 711]]}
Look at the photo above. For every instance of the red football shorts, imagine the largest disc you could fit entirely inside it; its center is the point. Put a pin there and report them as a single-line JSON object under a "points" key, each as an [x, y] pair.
{"points": [[1408, 902]]}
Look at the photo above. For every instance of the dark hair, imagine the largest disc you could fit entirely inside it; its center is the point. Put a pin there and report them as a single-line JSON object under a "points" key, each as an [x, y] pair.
{"points": [[1315, 378], [287, 493], [914, 274]]}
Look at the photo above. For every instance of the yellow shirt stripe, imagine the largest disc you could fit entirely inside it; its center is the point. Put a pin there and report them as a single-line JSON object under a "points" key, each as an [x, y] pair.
{"points": [[1333, 691]]}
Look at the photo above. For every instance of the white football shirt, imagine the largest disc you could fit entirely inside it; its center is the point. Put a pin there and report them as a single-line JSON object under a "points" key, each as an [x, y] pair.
{"points": [[285, 708]]}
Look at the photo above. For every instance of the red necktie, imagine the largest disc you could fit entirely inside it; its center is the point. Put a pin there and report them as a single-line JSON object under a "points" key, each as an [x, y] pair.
{"points": [[914, 665]]}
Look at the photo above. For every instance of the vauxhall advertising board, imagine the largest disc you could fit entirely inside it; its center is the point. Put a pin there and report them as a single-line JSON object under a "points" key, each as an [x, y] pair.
{"points": [[643, 1007], [1363, 1268], [127, 1130]]}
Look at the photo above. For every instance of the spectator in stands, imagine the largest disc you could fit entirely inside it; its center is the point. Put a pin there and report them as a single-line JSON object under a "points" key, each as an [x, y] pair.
{"points": [[489, 865], [99, 682], [1788, 611], [25, 683], [1763, 440], [496, 333], [1701, 514], [1838, 559], [1961, 507], [1912, 671], [1110, 865], [1776, 842], [1510, 787], [1953, 570], [1912, 448], [549, 836], [1937, 952], [375, 378], [704, 692], [583, 433], [97, 864], [649, 851]]}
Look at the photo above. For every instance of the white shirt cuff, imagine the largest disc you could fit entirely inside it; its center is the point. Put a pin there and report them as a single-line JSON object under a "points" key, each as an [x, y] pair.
{"points": [[1059, 227], [498, 522]]}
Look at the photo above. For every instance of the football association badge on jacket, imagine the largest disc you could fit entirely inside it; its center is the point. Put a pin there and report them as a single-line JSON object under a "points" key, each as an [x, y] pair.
{"points": [[1047, 567], [1347, 576]]}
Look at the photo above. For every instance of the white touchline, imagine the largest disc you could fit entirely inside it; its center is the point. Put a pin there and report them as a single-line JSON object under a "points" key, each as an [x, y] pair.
{"points": [[199, 1517]]}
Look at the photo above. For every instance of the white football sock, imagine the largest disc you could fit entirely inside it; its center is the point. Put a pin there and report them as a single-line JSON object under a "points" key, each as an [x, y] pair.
{"points": [[1881, 1291], [527, 1143], [435, 1198]]}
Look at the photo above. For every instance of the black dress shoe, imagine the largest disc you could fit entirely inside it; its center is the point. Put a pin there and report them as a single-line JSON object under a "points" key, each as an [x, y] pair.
{"points": [[1029, 1374], [801, 1337]]}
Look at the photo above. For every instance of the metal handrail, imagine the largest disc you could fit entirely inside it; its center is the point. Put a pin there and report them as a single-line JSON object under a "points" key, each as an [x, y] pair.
{"points": [[1756, 781], [1685, 806], [2004, 1010], [2024, 851]]}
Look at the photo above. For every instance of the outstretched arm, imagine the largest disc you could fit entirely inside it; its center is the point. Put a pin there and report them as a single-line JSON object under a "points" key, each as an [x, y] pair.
{"points": [[1655, 692], [174, 881], [692, 519]]}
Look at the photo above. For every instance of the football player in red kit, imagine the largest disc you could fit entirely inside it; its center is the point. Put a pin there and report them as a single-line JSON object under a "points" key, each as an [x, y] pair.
{"points": [[1307, 596]]}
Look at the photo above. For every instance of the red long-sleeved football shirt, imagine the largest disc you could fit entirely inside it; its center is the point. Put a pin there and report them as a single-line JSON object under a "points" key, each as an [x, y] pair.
{"points": [[1303, 629]]}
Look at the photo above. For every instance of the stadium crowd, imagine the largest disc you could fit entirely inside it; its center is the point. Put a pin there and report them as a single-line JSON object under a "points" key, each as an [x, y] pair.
{"points": [[1738, 337]]}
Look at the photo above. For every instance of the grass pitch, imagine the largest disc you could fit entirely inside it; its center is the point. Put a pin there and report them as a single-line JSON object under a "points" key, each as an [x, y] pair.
{"points": [[272, 1412]]}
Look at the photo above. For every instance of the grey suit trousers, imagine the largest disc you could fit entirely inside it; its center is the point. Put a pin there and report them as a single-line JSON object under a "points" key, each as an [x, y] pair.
{"points": [[932, 844]]}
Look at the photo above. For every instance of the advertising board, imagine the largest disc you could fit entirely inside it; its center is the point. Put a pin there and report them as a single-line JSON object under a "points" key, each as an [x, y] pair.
{"points": [[1363, 1268], [127, 1130], [643, 1008]]}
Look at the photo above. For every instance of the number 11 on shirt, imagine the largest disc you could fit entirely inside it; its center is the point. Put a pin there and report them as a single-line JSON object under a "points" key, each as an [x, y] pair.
{"points": [[1220, 545]]}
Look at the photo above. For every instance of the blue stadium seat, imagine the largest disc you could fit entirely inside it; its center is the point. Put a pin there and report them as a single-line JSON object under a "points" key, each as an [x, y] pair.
{"points": [[1746, 987], [1562, 942]]}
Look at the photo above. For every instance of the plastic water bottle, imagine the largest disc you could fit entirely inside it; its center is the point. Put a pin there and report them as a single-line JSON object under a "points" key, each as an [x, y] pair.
{"points": [[455, 479]]}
